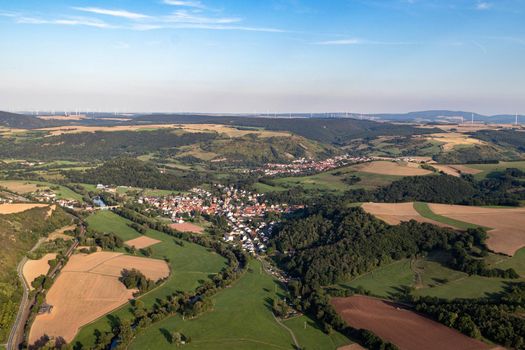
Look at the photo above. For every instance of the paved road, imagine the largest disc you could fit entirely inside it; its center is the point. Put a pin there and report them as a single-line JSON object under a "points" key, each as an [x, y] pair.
{"points": [[23, 310], [17, 332]]}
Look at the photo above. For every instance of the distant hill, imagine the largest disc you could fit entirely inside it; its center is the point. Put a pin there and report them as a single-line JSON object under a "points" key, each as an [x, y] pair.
{"points": [[337, 131], [20, 121], [448, 116]]}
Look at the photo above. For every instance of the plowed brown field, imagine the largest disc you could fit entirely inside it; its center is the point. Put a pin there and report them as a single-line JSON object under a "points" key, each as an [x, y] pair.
{"points": [[406, 329]]}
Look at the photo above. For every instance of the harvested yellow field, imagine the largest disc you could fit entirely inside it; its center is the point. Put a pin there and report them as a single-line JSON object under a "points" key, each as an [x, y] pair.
{"points": [[187, 227], [88, 288], [141, 242], [508, 225], [13, 208], [453, 139], [62, 117], [229, 130], [21, 187], [81, 129], [395, 213], [392, 168], [456, 170], [221, 129], [34, 268]]}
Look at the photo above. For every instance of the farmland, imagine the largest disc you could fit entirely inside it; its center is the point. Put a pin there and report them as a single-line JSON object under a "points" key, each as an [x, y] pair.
{"points": [[395, 213], [19, 207], [507, 235], [25, 187], [189, 264], [402, 327], [34, 268], [392, 168], [246, 308], [87, 288]]}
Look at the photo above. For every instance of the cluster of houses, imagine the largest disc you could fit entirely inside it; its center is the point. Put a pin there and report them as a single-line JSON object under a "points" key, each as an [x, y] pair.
{"points": [[304, 165], [49, 196], [244, 211]]}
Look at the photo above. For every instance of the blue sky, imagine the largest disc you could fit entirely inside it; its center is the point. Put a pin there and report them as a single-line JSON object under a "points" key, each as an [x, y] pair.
{"points": [[263, 55]]}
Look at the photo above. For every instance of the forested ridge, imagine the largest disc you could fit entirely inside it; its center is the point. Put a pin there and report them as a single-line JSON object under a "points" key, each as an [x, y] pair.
{"points": [[338, 131], [127, 171], [499, 188], [99, 145]]}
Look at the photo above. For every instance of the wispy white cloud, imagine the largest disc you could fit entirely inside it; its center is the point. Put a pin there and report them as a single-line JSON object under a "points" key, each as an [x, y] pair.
{"points": [[88, 22], [483, 5], [185, 3], [183, 16], [179, 19], [358, 41], [114, 13], [480, 46]]}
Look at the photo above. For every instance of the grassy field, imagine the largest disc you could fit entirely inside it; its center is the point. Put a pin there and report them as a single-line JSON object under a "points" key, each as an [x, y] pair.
{"points": [[23, 187], [385, 281], [332, 181], [424, 210], [430, 277], [107, 221], [241, 319], [488, 168], [190, 264]]}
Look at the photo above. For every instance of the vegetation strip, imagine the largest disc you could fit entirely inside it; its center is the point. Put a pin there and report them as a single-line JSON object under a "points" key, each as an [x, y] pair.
{"points": [[424, 210]]}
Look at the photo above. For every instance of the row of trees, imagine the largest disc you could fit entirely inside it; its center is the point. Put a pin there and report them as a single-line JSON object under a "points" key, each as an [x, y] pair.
{"points": [[182, 303], [498, 319]]}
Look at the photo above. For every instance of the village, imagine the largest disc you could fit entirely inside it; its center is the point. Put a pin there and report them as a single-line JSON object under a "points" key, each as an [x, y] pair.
{"points": [[303, 166], [249, 217]]}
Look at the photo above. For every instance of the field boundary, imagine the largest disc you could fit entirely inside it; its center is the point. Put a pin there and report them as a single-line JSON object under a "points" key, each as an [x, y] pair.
{"points": [[424, 210]]}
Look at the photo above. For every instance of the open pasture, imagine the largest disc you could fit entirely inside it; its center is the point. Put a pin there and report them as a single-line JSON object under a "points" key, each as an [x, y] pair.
{"points": [[241, 319], [404, 328], [190, 264], [34, 268], [87, 288], [508, 224], [13, 208], [24, 187], [392, 168]]}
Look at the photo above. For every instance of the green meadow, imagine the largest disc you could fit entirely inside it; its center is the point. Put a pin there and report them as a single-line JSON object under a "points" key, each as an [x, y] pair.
{"points": [[241, 319], [190, 264]]}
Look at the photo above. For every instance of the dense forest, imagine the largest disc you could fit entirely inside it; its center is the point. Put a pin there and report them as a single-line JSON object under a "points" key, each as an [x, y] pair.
{"points": [[329, 244], [98, 145], [498, 319], [499, 188], [126, 171], [18, 233], [338, 131], [510, 139]]}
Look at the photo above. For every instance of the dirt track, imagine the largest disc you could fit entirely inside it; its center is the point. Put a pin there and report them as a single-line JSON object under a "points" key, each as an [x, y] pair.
{"points": [[404, 328]]}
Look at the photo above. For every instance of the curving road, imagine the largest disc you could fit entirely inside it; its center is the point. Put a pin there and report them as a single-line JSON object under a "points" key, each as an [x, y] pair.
{"points": [[18, 327]]}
